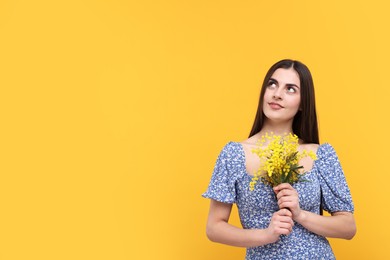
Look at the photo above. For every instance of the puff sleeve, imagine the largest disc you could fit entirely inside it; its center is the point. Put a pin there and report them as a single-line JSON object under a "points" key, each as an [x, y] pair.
{"points": [[222, 186], [336, 195]]}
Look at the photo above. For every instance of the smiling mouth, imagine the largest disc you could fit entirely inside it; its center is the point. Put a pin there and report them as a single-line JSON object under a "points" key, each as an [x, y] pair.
{"points": [[275, 105]]}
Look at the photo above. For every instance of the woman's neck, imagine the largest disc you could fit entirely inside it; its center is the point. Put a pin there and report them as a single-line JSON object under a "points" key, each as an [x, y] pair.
{"points": [[276, 128]]}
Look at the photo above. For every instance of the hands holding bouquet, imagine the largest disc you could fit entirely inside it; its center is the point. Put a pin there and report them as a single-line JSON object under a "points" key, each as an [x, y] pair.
{"points": [[289, 210], [288, 199], [280, 170]]}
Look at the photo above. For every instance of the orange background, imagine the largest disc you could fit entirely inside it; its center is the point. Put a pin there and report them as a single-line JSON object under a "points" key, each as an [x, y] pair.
{"points": [[113, 114]]}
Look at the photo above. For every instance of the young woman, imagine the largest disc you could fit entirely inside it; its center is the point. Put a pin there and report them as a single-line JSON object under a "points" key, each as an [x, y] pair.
{"points": [[270, 230]]}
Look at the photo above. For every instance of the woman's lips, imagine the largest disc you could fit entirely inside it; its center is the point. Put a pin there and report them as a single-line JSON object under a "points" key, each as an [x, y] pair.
{"points": [[275, 105]]}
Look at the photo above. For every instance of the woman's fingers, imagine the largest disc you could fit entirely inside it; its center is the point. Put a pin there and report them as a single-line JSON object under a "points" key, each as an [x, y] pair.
{"points": [[283, 186], [286, 226], [281, 223], [288, 197], [290, 200], [283, 219], [283, 212], [286, 192]]}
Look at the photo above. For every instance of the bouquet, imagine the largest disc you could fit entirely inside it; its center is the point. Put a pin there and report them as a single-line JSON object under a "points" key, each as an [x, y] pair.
{"points": [[279, 160]]}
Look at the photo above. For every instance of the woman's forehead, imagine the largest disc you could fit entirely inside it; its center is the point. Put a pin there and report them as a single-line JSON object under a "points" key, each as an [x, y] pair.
{"points": [[286, 76]]}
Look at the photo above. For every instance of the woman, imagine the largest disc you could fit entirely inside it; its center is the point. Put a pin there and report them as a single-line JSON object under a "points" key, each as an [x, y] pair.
{"points": [[270, 230]]}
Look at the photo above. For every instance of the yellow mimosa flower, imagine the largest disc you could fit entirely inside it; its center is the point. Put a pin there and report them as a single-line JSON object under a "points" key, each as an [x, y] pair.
{"points": [[279, 160]]}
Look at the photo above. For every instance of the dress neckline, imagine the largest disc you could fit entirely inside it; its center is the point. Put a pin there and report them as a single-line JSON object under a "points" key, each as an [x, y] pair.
{"points": [[250, 175]]}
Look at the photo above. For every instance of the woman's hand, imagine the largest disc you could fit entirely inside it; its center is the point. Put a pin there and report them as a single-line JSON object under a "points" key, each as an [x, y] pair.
{"points": [[288, 198], [281, 224]]}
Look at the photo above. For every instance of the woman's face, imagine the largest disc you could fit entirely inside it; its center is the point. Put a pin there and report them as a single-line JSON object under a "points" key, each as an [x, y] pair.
{"points": [[282, 96]]}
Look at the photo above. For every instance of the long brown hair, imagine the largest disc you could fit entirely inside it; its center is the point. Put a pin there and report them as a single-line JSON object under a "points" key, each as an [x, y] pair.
{"points": [[305, 124]]}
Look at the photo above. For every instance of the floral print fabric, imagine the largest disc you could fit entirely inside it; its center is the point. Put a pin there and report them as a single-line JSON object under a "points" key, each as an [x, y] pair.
{"points": [[327, 186]]}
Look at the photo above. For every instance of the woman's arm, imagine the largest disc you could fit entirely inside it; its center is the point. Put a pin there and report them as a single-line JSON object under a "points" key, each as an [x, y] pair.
{"points": [[219, 230], [339, 225]]}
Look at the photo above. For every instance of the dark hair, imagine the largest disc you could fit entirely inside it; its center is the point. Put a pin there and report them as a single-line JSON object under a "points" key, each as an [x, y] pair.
{"points": [[305, 124]]}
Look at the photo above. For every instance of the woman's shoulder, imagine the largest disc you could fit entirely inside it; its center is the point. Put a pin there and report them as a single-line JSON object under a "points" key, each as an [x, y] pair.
{"points": [[232, 155], [310, 147], [326, 151], [250, 143], [319, 149], [231, 149]]}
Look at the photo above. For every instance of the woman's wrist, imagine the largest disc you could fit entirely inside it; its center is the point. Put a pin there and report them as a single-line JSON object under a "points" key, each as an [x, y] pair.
{"points": [[301, 217], [262, 237]]}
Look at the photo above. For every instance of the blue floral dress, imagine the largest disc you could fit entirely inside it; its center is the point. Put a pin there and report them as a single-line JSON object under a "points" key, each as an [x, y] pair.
{"points": [[327, 187]]}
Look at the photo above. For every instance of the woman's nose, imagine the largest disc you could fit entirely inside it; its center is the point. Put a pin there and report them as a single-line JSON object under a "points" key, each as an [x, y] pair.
{"points": [[277, 93]]}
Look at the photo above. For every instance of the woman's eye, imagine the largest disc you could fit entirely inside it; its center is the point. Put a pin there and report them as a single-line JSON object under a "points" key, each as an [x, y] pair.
{"points": [[271, 84], [291, 90]]}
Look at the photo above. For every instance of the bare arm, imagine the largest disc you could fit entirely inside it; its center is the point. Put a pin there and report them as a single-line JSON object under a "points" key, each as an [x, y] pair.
{"points": [[219, 230], [339, 225]]}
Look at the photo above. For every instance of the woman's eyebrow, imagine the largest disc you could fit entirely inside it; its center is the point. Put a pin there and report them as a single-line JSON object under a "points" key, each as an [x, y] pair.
{"points": [[274, 80], [288, 84], [291, 85]]}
